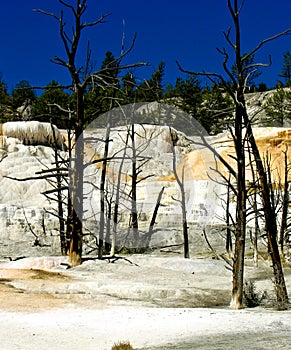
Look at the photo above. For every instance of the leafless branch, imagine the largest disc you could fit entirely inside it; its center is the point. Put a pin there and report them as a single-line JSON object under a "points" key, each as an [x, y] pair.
{"points": [[224, 64], [227, 38], [34, 177], [265, 41]]}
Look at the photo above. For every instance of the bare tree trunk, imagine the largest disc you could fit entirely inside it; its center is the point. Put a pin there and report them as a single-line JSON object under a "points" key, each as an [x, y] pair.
{"points": [[235, 89], [180, 183], [69, 201], [102, 193], [240, 230], [63, 238], [254, 233], [107, 245], [285, 204], [71, 43], [75, 252], [228, 244], [271, 225], [117, 199], [185, 223], [270, 217], [153, 220], [134, 180]]}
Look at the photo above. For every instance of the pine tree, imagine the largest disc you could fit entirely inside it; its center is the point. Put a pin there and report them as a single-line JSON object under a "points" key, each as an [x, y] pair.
{"points": [[216, 110], [278, 108], [22, 94], [45, 108], [100, 95], [4, 96], [110, 74], [286, 69], [189, 94], [5, 110], [152, 88]]}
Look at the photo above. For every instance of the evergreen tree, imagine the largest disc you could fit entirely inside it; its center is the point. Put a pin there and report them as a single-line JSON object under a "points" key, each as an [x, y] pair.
{"points": [[186, 95], [262, 87], [216, 110], [209, 106], [109, 77], [286, 69], [278, 108], [104, 89], [46, 107], [4, 96], [22, 94], [5, 110], [152, 89], [190, 93]]}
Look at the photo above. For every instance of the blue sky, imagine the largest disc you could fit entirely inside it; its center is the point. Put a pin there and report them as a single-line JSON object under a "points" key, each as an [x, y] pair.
{"points": [[186, 30]]}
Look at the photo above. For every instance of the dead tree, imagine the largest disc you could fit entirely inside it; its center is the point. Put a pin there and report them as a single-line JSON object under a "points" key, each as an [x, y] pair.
{"points": [[102, 192], [57, 177], [59, 182], [81, 79], [254, 212], [285, 204], [154, 216], [134, 180], [117, 199], [229, 222], [236, 90], [137, 158]]}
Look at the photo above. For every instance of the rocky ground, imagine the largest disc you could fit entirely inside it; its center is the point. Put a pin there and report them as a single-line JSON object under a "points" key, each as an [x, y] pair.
{"points": [[156, 301]]}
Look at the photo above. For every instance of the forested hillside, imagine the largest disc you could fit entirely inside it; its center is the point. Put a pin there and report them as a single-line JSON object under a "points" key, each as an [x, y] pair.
{"points": [[209, 104]]}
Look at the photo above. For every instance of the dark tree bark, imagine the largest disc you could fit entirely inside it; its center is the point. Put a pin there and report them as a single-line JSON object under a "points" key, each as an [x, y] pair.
{"points": [[59, 186], [253, 199], [102, 193], [117, 199], [271, 224], [154, 216], [75, 252], [240, 230], [228, 243], [285, 203], [236, 89], [134, 181], [79, 84], [270, 217]]}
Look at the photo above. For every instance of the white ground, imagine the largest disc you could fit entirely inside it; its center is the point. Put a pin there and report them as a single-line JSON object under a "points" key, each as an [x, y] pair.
{"points": [[152, 301]]}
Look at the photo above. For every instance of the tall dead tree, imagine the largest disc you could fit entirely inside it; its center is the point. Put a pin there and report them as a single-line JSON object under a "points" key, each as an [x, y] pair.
{"points": [[81, 78], [134, 181], [254, 212], [138, 160], [117, 199], [102, 193], [57, 177], [136, 141], [60, 186], [285, 203], [236, 90], [269, 214]]}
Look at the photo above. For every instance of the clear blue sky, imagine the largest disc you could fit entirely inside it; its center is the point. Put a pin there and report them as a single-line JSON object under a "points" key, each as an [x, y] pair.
{"points": [[186, 30]]}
